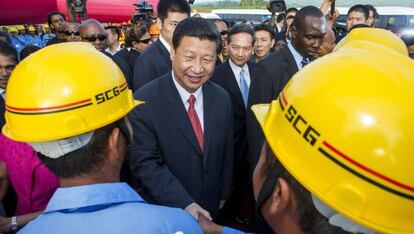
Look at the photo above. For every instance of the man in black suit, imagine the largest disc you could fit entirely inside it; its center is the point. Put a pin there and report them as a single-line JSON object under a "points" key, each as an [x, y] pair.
{"points": [[155, 61], [137, 39], [272, 73], [8, 60], [235, 76], [182, 154]]}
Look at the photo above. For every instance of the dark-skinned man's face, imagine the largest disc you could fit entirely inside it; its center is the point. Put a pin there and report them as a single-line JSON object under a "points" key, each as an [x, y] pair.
{"points": [[309, 36]]}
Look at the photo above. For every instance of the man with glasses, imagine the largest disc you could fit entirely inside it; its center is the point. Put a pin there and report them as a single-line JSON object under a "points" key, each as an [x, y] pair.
{"points": [[56, 22], [72, 32], [224, 52], [92, 31], [156, 61], [137, 40]]}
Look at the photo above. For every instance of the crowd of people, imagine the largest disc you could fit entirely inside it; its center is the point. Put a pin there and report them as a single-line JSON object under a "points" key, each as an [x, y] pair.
{"points": [[191, 126]]}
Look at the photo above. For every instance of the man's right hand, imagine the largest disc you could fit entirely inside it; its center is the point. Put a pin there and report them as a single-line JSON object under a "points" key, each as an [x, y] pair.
{"points": [[195, 210]]}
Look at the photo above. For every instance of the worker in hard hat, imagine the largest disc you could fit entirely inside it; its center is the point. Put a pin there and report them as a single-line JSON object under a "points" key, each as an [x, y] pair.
{"points": [[23, 37], [73, 115], [338, 156], [154, 31], [33, 38], [14, 40]]}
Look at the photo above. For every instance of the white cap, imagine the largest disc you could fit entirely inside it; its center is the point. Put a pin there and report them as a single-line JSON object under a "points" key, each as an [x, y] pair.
{"points": [[338, 220], [58, 148]]}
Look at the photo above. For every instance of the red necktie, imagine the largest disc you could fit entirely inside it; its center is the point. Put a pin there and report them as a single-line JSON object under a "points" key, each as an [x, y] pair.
{"points": [[195, 122]]}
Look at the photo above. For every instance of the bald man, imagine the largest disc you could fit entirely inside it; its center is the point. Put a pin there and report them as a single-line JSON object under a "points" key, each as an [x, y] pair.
{"points": [[93, 31], [328, 43]]}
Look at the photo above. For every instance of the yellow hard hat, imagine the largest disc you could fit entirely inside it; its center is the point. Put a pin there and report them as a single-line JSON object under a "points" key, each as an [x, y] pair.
{"points": [[343, 127], [32, 29], [375, 35], [13, 29], [20, 27], [62, 91]]}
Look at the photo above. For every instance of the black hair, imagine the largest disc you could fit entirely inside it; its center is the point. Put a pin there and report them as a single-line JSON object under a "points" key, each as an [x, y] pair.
{"points": [[372, 8], [408, 39], [134, 34], [49, 16], [9, 51], [292, 9], [265, 27], [114, 30], [358, 26], [28, 50], [359, 8], [307, 11], [166, 6], [195, 27], [5, 35], [241, 28], [85, 160], [310, 220], [280, 17]]}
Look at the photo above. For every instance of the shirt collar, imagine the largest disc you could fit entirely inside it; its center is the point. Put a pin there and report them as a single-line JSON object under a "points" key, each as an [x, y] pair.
{"points": [[236, 69], [298, 57], [91, 195], [184, 94], [164, 42], [2, 93]]}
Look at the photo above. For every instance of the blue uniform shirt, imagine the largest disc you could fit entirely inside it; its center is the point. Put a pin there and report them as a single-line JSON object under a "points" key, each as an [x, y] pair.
{"points": [[15, 42], [35, 41], [108, 208]]}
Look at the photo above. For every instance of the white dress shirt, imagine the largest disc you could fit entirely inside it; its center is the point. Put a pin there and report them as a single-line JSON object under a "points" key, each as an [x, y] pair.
{"points": [[185, 95], [236, 71], [3, 93], [298, 57], [164, 42]]}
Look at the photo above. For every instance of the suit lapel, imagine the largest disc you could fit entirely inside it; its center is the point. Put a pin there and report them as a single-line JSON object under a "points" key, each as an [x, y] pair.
{"points": [[290, 62], [176, 110], [232, 85], [164, 53], [209, 106]]}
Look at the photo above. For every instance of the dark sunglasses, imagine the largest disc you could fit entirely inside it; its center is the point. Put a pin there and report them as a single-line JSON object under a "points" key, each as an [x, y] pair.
{"points": [[224, 32], [69, 33], [93, 38], [145, 41]]}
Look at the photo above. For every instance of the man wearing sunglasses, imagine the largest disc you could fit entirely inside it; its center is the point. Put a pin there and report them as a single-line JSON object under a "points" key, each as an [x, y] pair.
{"points": [[156, 61], [224, 52], [72, 32], [92, 31], [137, 40]]}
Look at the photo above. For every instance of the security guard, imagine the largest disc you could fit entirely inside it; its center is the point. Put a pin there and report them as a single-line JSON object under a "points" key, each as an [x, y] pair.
{"points": [[339, 142], [73, 115]]}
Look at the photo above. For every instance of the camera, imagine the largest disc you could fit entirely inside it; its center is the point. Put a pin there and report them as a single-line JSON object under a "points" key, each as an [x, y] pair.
{"points": [[276, 6], [144, 10]]}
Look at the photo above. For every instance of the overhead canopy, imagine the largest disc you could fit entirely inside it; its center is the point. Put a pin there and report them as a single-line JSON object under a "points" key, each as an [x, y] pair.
{"points": [[35, 12]]}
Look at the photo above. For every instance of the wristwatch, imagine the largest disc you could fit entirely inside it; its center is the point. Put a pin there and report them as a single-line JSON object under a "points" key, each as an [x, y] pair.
{"points": [[14, 225]]}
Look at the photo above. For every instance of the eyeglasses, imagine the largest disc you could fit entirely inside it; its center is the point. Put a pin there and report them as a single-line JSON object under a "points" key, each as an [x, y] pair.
{"points": [[145, 41], [69, 33], [224, 32], [101, 37]]}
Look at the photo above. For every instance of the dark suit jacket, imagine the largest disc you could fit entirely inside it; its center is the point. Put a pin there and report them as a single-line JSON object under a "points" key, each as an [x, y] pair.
{"points": [[129, 55], [225, 77], [153, 63], [269, 77], [166, 157], [2, 112]]}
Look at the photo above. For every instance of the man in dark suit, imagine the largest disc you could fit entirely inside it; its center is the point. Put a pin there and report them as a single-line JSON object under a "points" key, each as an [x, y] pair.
{"points": [[8, 60], [155, 61], [235, 76], [272, 73], [137, 39], [182, 154]]}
